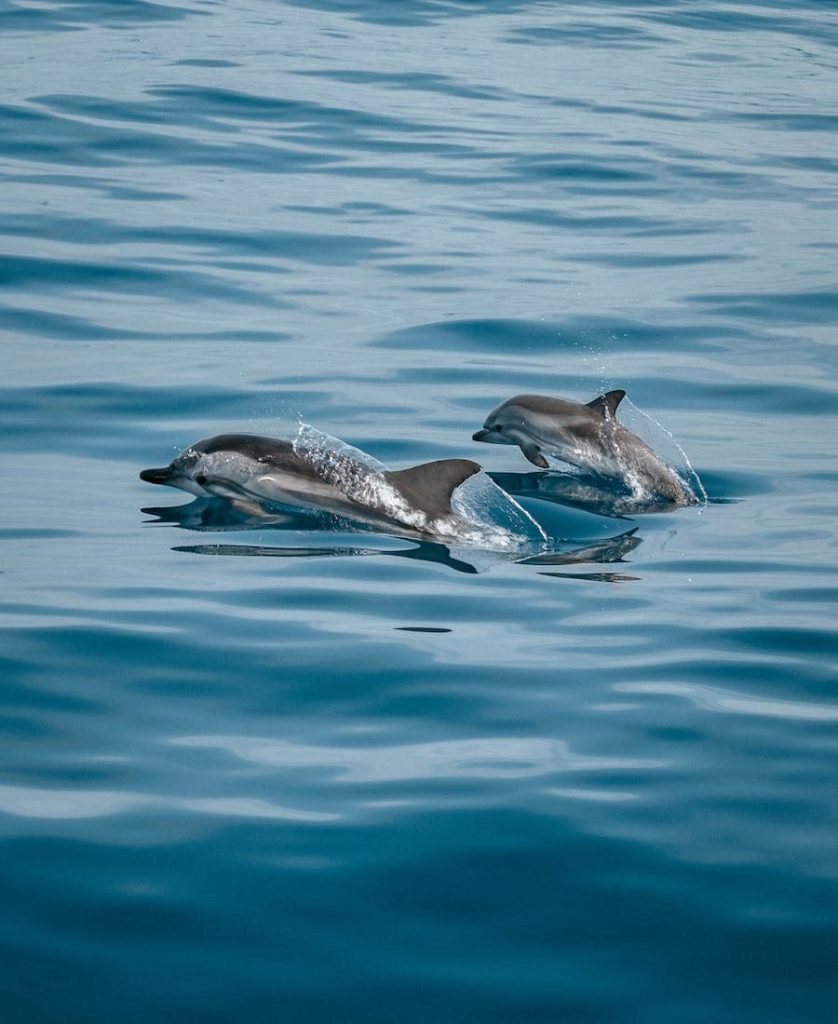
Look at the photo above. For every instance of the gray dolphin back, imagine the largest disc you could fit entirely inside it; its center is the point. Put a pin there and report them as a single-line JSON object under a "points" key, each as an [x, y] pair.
{"points": [[429, 487], [254, 446]]}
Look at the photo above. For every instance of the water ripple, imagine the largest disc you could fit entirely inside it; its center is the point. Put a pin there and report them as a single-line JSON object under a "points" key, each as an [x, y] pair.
{"points": [[484, 758], [69, 804], [716, 699]]}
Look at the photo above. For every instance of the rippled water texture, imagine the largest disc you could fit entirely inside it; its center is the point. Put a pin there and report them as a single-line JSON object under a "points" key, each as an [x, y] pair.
{"points": [[352, 776]]}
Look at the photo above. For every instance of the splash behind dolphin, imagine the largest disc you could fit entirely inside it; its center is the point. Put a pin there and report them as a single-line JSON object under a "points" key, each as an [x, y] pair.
{"points": [[587, 436]]}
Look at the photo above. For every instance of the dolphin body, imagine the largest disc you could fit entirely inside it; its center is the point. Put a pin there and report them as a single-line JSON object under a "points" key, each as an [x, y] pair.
{"points": [[588, 436], [247, 466]]}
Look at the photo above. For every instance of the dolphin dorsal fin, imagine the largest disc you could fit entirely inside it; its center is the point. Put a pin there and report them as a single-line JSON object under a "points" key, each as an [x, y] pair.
{"points": [[606, 405], [429, 487]]}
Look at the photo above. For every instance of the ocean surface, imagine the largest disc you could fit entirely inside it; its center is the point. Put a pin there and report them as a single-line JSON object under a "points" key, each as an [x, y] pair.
{"points": [[349, 775]]}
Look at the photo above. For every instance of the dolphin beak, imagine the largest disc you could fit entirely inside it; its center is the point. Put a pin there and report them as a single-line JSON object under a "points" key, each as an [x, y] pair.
{"points": [[157, 476], [482, 435]]}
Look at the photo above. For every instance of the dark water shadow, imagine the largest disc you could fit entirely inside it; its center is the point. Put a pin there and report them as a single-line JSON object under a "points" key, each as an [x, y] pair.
{"points": [[212, 515]]}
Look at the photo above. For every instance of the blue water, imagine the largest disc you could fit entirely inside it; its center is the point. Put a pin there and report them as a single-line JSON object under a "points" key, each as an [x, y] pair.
{"points": [[401, 782]]}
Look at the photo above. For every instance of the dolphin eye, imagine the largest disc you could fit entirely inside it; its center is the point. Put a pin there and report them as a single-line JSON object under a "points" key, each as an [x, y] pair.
{"points": [[499, 427]]}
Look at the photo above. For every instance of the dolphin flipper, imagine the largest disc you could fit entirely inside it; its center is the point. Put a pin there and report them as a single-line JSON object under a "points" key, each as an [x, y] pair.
{"points": [[429, 486], [606, 405], [533, 453]]}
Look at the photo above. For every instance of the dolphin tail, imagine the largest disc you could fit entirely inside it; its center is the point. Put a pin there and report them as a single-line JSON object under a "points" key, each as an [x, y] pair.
{"points": [[429, 487], [606, 405]]}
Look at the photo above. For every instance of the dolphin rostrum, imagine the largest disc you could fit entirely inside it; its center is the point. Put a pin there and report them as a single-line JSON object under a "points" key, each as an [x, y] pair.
{"points": [[588, 436], [275, 470]]}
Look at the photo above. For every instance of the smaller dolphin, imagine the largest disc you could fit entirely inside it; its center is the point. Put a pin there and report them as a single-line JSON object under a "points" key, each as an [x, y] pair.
{"points": [[587, 436], [247, 466]]}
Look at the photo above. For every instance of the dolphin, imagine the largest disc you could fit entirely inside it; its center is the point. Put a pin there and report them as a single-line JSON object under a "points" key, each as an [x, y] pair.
{"points": [[587, 436], [248, 466]]}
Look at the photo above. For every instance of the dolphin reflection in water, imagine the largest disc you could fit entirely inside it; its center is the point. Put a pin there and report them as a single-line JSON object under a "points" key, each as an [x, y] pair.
{"points": [[219, 515], [585, 491]]}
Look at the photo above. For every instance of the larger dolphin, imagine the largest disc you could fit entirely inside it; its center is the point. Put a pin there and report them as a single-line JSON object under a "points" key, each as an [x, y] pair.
{"points": [[585, 435], [272, 469]]}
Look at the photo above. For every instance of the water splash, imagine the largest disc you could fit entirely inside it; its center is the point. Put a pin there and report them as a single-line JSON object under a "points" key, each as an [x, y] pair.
{"points": [[693, 480], [484, 516], [479, 498], [358, 475], [330, 452]]}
